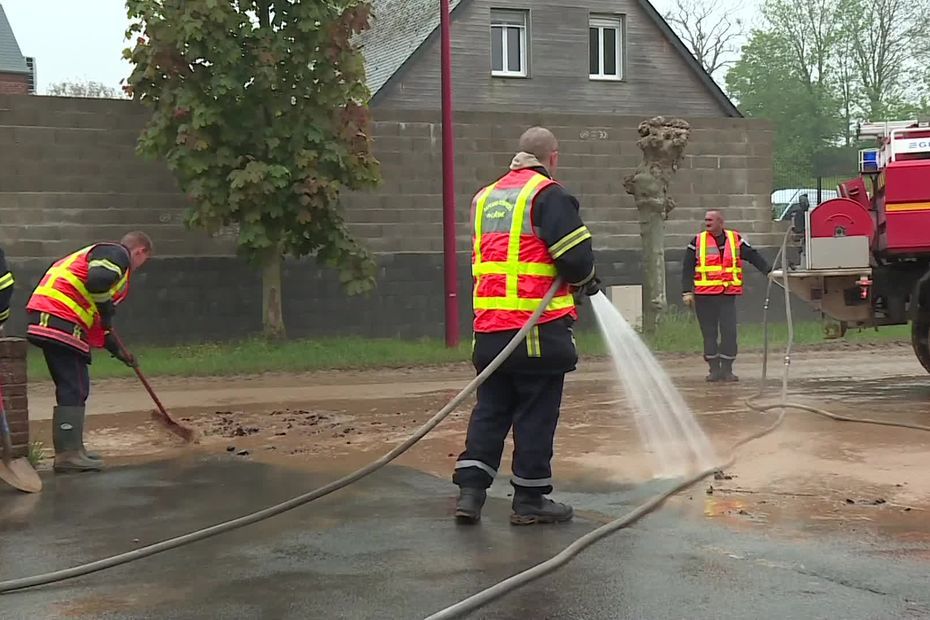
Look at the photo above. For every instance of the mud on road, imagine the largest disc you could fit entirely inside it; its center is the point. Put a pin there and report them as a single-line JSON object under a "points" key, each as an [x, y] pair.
{"points": [[812, 477]]}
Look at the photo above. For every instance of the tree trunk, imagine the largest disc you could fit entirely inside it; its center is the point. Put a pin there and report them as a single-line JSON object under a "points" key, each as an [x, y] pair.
{"points": [[663, 142], [272, 316], [652, 233]]}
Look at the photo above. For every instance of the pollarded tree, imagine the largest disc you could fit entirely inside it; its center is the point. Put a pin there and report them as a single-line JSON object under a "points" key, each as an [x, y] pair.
{"points": [[662, 141], [259, 107]]}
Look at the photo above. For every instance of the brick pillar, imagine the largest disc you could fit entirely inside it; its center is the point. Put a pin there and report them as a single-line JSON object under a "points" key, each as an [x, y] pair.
{"points": [[14, 385]]}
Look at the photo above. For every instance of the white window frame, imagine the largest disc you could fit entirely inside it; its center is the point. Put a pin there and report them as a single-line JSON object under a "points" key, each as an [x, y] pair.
{"points": [[602, 23], [506, 17]]}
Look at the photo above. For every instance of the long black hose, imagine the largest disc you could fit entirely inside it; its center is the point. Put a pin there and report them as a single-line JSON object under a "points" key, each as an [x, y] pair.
{"points": [[300, 500], [521, 579], [486, 596]]}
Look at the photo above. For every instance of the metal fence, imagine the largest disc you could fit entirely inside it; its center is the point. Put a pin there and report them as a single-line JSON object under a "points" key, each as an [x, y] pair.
{"points": [[788, 193], [817, 179]]}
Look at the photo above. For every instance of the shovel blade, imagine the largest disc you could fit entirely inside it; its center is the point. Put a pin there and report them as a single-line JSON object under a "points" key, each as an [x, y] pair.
{"points": [[19, 474]]}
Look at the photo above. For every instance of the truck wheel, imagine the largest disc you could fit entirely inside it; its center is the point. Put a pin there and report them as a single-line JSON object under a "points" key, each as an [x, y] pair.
{"points": [[920, 340], [920, 321]]}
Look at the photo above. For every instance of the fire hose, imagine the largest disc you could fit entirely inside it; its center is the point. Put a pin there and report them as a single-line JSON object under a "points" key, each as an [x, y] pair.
{"points": [[300, 500], [559, 560], [484, 597]]}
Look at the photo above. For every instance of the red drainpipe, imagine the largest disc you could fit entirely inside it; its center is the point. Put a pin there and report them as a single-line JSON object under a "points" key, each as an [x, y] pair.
{"points": [[448, 181]]}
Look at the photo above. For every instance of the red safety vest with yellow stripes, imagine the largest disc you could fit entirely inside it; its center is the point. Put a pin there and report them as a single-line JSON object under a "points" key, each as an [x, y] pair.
{"points": [[6, 281], [512, 267], [62, 292], [715, 274]]}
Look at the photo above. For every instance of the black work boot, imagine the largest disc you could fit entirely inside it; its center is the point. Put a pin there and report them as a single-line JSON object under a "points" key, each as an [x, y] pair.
{"points": [[468, 508], [532, 508], [67, 437], [726, 371], [91, 455], [714, 376]]}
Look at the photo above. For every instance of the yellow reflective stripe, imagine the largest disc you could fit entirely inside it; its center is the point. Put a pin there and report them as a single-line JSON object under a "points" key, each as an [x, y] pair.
{"points": [[6, 281], [5, 315], [519, 269], [86, 317], [102, 298], [700, 271], [43, 319], [102, 262], [527, 305], [76, 255], [479, 215], [587, 279], [516, 230], [735, 270], [533, 348], [569, 241], [73, 280], [119, 286]]}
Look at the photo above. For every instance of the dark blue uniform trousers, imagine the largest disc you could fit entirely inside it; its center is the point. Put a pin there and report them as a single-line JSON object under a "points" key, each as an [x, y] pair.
{"points": [[530, 404]]}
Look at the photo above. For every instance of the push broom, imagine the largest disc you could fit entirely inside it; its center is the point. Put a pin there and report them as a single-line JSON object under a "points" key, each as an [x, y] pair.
{"points": [[161, 415]]}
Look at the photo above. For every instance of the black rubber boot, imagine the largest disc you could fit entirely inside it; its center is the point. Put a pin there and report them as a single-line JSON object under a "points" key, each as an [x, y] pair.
{"points": [[533, 508], [471, 501], [67, 437], [726, 371], [714, 375], [91, 455]]}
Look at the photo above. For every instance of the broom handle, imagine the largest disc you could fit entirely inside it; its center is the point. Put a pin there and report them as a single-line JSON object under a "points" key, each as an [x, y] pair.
{"points": [[145, 383], [5, 431]]}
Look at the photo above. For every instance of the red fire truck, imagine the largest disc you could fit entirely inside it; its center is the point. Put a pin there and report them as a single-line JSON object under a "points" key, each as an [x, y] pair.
{"points": [[865, 258]]}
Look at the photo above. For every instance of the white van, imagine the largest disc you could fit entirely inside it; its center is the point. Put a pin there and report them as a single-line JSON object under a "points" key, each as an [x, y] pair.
{"points": [[784, 199]]}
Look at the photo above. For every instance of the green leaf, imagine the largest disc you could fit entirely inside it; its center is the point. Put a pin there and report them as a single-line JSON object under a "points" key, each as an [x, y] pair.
{"points": [[252, 119]]}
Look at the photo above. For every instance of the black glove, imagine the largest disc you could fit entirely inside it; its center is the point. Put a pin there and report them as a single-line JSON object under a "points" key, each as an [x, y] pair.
{"points": [[593, 287], [586, 290], [111, 344]]}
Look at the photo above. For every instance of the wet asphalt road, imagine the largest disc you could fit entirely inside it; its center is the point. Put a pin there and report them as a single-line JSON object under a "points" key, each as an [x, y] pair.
{"points": [[386, 548]]}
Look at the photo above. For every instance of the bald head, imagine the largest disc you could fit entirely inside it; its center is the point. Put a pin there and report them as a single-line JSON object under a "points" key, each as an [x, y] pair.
{"points": [[541, 142], [713, 222]]}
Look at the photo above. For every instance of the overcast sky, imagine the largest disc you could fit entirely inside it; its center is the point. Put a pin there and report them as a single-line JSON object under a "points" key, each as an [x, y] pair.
{"points": [[83, 39]]}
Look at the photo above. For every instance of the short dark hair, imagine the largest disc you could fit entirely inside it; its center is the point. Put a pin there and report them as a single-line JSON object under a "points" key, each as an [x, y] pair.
{"points": [[137, 239], [540, 142]]}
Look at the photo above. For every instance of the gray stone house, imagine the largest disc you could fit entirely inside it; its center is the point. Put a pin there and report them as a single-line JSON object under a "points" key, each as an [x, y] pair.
{"points": [[17, 75], [554, 56], [590, 69]]}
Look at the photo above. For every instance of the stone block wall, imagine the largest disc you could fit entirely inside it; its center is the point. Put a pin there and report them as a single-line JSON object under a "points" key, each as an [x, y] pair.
{"points": [[13, 385], [69, 176], [728, 166]]}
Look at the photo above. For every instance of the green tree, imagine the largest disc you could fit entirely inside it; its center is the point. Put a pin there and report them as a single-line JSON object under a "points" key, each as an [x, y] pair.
{"points": [[768, 83], [259, 107], [888, 40]]}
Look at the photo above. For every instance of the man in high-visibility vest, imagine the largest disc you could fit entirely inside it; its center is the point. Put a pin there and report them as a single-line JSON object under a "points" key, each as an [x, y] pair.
{"points": [[70, 312], [6, 290], [711, 280], [528, 232]]}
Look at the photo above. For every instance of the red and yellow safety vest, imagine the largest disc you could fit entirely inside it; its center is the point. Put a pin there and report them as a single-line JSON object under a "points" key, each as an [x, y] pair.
{"points": [[512, 267], [62, 292], [714, 274]]}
